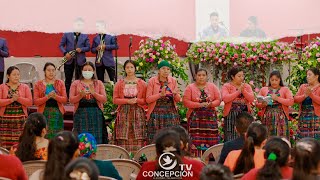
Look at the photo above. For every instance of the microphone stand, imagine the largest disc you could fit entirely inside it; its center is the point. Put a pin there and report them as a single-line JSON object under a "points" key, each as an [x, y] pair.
{"points": [[130, 45], [116, 54]]}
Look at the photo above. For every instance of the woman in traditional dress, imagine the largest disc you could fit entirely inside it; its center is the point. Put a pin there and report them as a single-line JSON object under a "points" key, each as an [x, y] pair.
{"points": [[308, 96], [275, 105], [15, 97], [129, 94], [88, 96], [201, 98], [50, 95], [162, 96], [237, 97]]}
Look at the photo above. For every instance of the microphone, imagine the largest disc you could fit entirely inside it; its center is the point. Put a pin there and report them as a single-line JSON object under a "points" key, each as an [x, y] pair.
{"points": [[130, 44]]}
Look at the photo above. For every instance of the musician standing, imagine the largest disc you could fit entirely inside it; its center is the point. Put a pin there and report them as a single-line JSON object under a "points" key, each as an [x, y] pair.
{"points": [[104, 49], [74, 41], [4, 52]]}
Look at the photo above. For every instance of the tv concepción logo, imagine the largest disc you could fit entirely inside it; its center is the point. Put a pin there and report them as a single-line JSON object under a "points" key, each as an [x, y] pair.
{"points": [[168, 162]]}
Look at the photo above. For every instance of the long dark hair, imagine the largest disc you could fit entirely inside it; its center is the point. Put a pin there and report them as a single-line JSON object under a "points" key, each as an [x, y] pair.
{"points": [[184, 138], [93, 67], [278, 75], [306, 156], [82, 165], [60, 152], [256, 134], [33, 127], [271, 169], [9, 71], [168, 141]]}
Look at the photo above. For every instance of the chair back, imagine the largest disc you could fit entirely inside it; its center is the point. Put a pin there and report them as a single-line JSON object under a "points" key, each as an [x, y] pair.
{"points": [[33, 166], [149, 151], [108, 151], [238, 176], [4, 151], [28, 73], [128, 169], [4, 178], [215, 151]]}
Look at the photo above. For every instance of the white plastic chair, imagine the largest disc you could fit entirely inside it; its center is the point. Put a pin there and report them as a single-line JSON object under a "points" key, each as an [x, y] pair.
{"points": [[28, 73]]}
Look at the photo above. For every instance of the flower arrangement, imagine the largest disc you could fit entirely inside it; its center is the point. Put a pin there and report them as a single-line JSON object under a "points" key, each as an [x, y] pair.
{"points": [[310, 58], [255, 57], [109, 110], [153, 51]]}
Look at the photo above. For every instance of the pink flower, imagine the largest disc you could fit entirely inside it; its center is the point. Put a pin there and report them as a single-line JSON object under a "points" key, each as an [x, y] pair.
{"points": [[268, 46], [162, 45], [236, 55], [218, 44], [243, 44], [243, 55], [158, 54], [248, 64], [236, 47], [223, 57], [226, 53], [168, 48], [256, 90], [246, 49], [212, 46], [318, 59], [216, 58], [199, 50], [262, 62], [243, 60], [254, 49], [235, 64], [161, 48], [150, 54], [231, 45], [221, 51], [156, 44], [220, 60], [224, 46], [151, 60], [210, 55], [224, 62], [195, 57], [251, 83], [262, 46], [264, 56], [265, 51], [166, 57], [318, 55]]}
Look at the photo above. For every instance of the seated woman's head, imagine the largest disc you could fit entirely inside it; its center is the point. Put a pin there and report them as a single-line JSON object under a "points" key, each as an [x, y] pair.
{"points": [[216, 172], [62, 149], [277, 153], [82, 169], [306, 155], [255, 137], [35, 126], [184, 139], [87, 145], [168, 141]]}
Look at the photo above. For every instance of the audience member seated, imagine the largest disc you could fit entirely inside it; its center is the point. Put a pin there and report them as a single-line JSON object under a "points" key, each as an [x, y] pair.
{"points": [[242, 123], [168, 141], [88, 149], [11, 168], [62, 149], [306, 155], [82, 169], [184, 141], [32, 144], [252, 154], [216, 172], [276, 166]]}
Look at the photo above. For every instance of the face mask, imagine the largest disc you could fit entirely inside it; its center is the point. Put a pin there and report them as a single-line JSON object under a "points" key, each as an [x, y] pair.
{"points": [[87, 74]]}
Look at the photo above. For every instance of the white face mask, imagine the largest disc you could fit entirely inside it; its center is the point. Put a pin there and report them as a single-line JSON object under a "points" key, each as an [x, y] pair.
{"points": [[87, 74]]}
